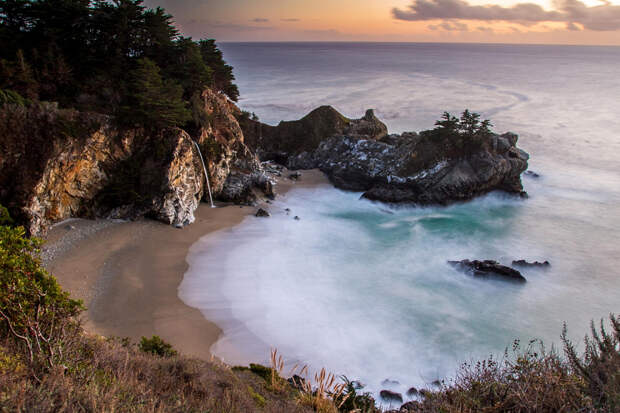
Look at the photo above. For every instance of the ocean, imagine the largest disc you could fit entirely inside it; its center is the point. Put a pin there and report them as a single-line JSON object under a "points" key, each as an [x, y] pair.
{"points": [[364, 289]]}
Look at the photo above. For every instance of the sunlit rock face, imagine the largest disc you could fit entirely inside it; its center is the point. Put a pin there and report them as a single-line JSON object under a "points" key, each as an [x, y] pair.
{"points": [[56, 164]]}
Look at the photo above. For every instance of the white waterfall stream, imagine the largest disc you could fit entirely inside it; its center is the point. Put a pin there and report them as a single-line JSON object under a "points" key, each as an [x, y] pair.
{"points": [[204, 168]]}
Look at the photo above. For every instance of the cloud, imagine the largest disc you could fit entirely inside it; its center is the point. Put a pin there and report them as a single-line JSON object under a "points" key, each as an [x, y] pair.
{"points": [[260, 20], [291, 20], [450, 26], [228, 26], [603, 17], [485, 29]]}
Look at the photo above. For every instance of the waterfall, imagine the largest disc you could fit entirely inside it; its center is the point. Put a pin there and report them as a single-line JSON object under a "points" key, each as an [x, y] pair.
{"points": [[204, 168]]}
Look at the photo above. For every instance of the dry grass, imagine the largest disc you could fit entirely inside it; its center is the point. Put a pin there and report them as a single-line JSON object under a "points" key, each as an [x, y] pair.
{"points": [[535, 380], [105, 376]]}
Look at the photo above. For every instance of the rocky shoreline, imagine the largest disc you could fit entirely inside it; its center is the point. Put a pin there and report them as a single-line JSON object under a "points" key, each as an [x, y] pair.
{"points": [[59, 164]]}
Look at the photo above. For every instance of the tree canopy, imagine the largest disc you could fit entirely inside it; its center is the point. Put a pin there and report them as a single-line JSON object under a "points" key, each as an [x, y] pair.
{"points": [[86, 54]]}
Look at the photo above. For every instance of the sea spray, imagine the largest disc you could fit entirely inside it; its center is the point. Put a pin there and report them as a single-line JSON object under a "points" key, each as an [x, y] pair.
{"points": [[365, 290]]}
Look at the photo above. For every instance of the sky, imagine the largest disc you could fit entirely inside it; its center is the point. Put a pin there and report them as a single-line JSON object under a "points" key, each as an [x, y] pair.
{"points": [[593, 22]]}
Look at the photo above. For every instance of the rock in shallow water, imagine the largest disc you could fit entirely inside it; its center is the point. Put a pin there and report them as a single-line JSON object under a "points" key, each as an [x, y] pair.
{"points": [[535, 264], [262, 213], [391, 396], [488, 268]]}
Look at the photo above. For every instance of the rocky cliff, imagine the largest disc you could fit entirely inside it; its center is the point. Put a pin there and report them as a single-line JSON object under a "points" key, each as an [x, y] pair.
{"points": [[56, 164], [438, 166], [290, 138]]}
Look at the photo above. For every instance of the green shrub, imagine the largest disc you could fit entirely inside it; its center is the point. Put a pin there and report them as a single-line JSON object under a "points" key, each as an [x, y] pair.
{"points": [[5, 217], [262, 371], [34, 312], [258, 399], [155, 345], [599, 367], [10, 97]]}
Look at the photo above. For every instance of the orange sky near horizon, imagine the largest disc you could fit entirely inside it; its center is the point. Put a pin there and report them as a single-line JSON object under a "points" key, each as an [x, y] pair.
{"points": [[373, 20]]}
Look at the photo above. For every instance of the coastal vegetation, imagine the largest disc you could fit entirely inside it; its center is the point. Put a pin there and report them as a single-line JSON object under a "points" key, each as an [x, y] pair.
{"points": [[113, 57]]}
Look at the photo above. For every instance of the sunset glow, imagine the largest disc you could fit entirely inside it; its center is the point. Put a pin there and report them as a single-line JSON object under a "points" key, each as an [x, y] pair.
{"points": [[499, 21]]}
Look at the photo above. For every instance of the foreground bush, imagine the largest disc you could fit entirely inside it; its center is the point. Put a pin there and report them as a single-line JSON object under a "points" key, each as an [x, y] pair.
{"points": [[34, 312], [536, 380], [155, 345]]}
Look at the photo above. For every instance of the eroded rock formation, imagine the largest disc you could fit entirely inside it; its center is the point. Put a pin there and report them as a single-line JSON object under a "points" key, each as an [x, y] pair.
{"points": [[56, 164], [432, 167]]}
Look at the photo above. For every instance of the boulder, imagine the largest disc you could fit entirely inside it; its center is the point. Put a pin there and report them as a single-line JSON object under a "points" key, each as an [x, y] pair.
{"points": [[410, 407], [262, 213], [391, 396], [534, 264], [390, 382], [412, 392], [488, 268]]}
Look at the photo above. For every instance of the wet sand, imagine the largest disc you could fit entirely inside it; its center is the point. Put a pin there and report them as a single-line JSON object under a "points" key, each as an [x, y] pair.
{"points": [[128, 273]]}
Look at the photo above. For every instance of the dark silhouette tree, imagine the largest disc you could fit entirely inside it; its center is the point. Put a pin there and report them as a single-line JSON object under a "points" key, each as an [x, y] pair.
{"points": [[153, 101]]}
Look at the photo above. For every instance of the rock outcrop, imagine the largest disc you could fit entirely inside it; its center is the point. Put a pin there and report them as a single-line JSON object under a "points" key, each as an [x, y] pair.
{"points": [[410, 169], [488, 268], [432, 167], [534, 264], [234, 168], [56, 164], [291, 138]]}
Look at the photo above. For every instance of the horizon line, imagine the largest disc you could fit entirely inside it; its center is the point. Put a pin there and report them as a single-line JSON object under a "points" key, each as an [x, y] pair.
{"points": [[411, 42]]}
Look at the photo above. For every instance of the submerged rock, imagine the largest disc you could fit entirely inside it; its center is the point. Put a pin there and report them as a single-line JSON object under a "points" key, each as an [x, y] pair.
{"points": [[412, 392], [536, 264], [532, 174], [410, 407], [488, 268], [391, 396], [389, 382]]}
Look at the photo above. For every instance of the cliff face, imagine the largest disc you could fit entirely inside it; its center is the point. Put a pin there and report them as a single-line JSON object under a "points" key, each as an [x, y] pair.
{"points": [[56, 164], [235, 169], [306, 134]]}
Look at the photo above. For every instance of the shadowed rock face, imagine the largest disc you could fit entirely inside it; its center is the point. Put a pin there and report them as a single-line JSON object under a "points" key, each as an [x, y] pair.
{"points": [[290, 138], [488, 268], [56, 164], [410, 169]]}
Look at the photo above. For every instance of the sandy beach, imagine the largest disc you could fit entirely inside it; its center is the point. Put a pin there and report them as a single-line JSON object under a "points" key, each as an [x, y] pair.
{"points": [[127, 273]]}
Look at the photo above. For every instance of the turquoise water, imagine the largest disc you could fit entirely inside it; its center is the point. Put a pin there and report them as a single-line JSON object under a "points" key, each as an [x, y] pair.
{"points": [[364, 289]]}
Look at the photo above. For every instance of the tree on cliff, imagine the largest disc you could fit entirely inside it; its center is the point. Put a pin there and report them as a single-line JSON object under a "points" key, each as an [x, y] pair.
{"points": [[463, 134], [153, 101], [82, 54]]}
